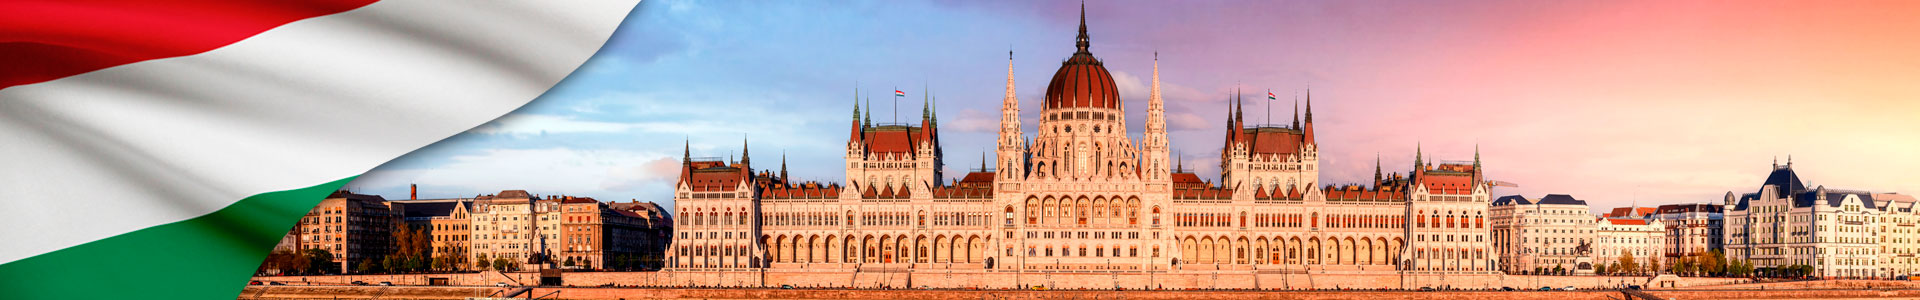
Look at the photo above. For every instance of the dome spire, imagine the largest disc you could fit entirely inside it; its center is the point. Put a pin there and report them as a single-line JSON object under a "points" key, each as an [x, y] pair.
{"points": [[1081, 42]]}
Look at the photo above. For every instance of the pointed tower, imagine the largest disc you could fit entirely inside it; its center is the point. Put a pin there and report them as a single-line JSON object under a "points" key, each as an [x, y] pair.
{"points": [[1308, 130], [783, 168], [1418, 165], [745, 159], [1156, 135], [1376, 171], [1011, 152], [686, 161], [1296, 111]]}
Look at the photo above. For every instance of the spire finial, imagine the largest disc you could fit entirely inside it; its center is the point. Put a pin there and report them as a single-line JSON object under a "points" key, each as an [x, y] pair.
{"points": [[856, 102], [1296, 110], [1376, 170], [1309, 104], [1081, 42], [744, 157], [686, 154]]}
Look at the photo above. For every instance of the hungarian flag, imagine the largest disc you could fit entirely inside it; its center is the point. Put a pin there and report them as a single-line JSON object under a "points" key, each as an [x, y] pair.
{"points": [[1270, 96], [898, 93], [159, 149]]}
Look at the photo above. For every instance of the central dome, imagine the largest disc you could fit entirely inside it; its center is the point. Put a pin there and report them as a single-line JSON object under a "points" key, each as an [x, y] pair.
{"points": [[1082, 81]]}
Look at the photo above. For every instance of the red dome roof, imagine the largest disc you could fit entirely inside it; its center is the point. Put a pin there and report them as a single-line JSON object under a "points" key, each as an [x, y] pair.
{"points": [[1082, 81]]}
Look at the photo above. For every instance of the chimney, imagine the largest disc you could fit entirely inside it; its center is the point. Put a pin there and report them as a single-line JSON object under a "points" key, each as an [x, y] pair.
{"points": [[413, 192]]}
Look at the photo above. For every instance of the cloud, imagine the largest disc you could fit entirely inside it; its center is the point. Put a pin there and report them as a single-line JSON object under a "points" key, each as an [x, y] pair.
{"points": [[1186, 121]]}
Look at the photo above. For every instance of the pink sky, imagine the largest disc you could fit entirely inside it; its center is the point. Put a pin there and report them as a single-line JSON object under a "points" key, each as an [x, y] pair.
{"points": [[1609, 101]]}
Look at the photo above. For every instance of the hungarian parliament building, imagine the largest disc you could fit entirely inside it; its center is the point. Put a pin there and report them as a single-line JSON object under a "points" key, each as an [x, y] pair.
{"points": [[1075, 193]]}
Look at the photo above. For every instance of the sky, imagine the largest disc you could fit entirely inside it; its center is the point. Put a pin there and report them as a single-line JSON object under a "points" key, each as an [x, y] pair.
{"points": [[1613, 102]]}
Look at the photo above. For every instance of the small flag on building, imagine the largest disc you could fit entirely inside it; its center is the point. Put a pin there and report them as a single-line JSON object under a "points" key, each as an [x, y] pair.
{"points": [[1270, 96], [898, 93]]}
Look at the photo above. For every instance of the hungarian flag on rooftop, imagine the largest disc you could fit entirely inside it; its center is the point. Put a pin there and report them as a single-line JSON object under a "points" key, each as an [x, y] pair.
{"points": [[158, 149]]}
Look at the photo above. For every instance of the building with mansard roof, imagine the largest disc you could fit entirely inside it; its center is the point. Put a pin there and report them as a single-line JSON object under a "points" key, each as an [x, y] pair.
{"points": [[1074, 193], [1838, 232]]}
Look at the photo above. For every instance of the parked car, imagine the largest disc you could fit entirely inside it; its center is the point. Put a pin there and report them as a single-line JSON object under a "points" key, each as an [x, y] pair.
{"points": [[275, 283], [1546, 288], [1568, 288], [500, 284], [1426, 289], [1633, 287], [1507, 288], [255, 282], [786, 286], [386, 283], [357, 282]]}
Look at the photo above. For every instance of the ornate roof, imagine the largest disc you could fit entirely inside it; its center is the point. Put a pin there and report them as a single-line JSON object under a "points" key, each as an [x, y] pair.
{"points": [[1082, 81]]}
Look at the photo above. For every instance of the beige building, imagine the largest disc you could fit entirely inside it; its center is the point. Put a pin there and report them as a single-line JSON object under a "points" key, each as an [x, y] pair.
{"points": [[1080, 196], [1785, 223], [1692, 229], [1645, 240], [1897, 236], [1534, 236], [354, 228], [448, 224]]}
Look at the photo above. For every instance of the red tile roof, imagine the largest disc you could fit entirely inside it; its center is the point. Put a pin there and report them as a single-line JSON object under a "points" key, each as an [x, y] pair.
{"points": [[1627, 221]]}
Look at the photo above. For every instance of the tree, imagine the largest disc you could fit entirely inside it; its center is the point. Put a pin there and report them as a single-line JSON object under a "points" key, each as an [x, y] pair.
{"points": [[1653, 265], [502, 264], [569, 262], [442, 263], [1627, 265], [319, 261], [481, 262], [367, 265]]}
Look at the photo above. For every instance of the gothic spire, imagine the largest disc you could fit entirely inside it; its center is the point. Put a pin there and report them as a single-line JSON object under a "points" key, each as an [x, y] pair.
{"points": [[783, 165], [744, 158], [868, 122], [1081, 42], [926, 104], [1416, 157], [1309, 105], [1296, 111], [856, 103], [1376, 170], [686, 154]]}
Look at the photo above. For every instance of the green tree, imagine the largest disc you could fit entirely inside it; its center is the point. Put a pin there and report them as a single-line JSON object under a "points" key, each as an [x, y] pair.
{"points": [[481, 262], [502, 264], [1627, 264], [442, 263], [569, 262], [1600, 269], [320, 261]]}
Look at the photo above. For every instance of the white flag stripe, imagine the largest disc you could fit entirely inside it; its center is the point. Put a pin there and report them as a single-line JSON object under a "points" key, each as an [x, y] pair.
{"points": [[134, 146]]}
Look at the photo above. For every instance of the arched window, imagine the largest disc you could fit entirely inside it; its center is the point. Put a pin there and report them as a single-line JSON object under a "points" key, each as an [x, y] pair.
{"points": [[1156, 215]]}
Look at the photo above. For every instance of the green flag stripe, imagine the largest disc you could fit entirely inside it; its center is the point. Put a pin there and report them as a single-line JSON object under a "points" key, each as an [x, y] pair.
{"points": [[206, 257]]}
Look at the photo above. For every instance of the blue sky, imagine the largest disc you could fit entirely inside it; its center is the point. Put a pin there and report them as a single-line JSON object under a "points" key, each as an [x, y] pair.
{"points": [[1612, 102]]}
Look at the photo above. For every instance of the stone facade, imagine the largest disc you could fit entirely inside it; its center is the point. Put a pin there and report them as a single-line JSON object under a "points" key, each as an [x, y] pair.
{"points": [[1642, 239], [1692, 229], [562, 232], [1785, 223], [1537, 235], [352, 227], [1080, 198]]}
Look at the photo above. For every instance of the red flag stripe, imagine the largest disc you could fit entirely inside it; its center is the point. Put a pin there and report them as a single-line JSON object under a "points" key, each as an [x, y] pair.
{"points": [[42, 40]]}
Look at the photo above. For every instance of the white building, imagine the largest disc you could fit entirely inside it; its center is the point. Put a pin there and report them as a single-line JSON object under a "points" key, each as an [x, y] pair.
{"points": [[1642, 239], [1534, 236], [1785, 223]]}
